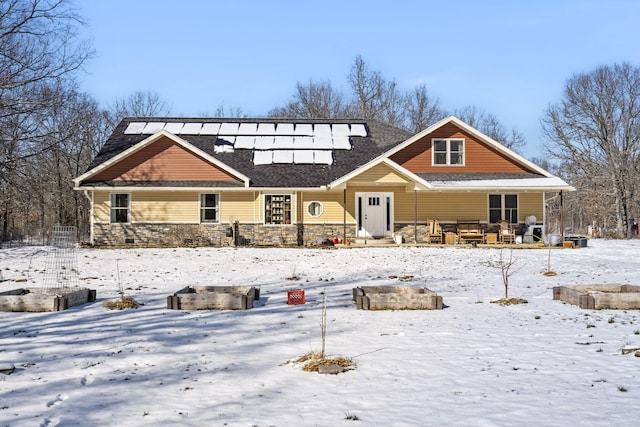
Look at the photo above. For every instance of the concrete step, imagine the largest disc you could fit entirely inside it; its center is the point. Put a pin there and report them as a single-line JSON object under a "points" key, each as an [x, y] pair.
{"points": [[371, 241]]}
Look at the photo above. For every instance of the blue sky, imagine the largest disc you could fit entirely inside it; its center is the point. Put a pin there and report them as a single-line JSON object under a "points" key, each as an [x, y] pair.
{"points": [[510, 58]]}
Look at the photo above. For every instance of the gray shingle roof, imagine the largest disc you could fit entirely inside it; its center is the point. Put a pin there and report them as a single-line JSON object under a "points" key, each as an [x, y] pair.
{"points": [[380, 138]]}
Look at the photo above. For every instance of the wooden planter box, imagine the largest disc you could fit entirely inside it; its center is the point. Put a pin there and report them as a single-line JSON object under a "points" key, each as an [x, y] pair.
{"points": [[599, 297], [396, 298], [35, 301], [214, 298]]}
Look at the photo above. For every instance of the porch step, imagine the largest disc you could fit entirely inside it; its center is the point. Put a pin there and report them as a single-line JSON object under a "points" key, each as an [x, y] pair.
{"points": [[370, 241]]}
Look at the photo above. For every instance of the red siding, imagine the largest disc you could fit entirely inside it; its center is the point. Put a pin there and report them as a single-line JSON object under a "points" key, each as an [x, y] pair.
{"points": [[479, 157], [163, 160]]}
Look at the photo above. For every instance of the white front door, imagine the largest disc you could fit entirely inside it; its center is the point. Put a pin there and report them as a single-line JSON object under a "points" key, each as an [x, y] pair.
{"points": [[374, 214]]}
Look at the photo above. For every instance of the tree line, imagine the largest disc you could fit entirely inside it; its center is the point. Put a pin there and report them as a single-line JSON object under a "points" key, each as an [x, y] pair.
{"points": [[50, 131]]}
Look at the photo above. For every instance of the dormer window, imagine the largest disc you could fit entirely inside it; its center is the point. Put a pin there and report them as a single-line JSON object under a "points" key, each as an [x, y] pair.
{"points": [[448, 152]]}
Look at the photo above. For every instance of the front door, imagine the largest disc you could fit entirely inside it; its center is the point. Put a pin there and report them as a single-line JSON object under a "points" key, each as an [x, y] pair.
{"points": [[375, 214]]}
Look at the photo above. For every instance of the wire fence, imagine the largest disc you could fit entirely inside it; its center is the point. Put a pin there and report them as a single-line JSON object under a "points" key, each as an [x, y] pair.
{"points": [[61, 267]]}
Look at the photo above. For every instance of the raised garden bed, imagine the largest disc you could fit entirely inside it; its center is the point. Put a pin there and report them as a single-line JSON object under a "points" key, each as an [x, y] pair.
{"points": [[600, 297], [396, 298], [34, 300], [214, 298]]}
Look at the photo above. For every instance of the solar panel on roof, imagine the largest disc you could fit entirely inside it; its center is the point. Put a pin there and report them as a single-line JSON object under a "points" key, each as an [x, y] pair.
{"points": [[153, 127], [174, 128], [341, 143], [358, 129], [323, 142], [263, 143], [191, 128], [303, 142], [247, 128], [283, 156], [302, 157], [266, 129], [229, 128], [284, 129], [323, 157], [281, 141], [244, 142], [210, 129], [303, 129], [225, 140], [135, 128], [340, 129], [223, 148], [262, 157], [322, 129]]}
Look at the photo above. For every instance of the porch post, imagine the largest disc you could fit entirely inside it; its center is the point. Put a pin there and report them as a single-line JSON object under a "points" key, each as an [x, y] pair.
{"points": [[344, 215], [562, 215], [415, 216]]}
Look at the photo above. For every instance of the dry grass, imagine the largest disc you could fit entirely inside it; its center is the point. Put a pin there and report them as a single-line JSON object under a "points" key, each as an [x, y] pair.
{"points": [[509, 301], [312, 361], [121, 303]]}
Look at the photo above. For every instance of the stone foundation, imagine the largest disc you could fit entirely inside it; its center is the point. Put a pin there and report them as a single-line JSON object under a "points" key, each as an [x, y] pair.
{"points": [[172, 235]]}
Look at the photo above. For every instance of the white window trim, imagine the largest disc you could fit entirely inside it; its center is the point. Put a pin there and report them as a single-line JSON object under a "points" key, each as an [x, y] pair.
{"points": [[113, 208], [200, 207], [448, 141], [264, 209], [321, 209]]}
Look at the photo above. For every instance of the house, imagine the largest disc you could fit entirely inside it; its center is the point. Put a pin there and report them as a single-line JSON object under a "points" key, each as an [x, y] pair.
{"points": [[171, 181]]}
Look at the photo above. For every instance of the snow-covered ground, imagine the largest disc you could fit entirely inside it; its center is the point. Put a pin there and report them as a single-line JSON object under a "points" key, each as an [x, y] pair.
{"points": [[473, 363]]}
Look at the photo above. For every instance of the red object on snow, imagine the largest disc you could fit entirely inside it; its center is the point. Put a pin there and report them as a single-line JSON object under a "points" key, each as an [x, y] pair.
{"points": [[295, 297]]}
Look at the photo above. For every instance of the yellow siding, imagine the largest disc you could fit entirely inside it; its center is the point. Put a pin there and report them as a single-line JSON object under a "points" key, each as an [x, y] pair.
{"points": [[381, 174], [101, 206], [184, 206], [404, 207], [332, 210], [530, 204], [241, 206], [156, 206], [450, 207]]}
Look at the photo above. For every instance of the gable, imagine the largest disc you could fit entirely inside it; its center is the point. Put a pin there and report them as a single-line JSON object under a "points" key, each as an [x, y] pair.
{"points": [[379, 174], [163, 160], [480, 157]]}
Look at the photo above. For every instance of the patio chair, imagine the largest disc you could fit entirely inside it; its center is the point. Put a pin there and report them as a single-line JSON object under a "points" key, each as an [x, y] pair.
{"points": [[507, 233], [434, 231]]}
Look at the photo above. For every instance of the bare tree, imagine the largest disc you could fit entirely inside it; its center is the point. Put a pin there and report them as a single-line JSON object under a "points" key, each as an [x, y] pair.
{"points": [[420, 110], [489, 124], [594, 131], [374, 97], [139, 104], [40, 54], [313, 100], [224, 111]]}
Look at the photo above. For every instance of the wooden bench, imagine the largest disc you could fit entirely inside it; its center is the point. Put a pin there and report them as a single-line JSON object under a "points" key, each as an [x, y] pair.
{"points": [[470, 231]]}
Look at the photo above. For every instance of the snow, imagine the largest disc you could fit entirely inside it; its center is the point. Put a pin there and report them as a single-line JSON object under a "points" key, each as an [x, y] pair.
{"points": [[543, 363]]}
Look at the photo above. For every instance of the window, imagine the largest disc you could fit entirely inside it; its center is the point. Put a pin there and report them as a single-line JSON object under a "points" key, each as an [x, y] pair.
{"points": [[120, 207], [448, 152], [277, 209], [209, 207], [315, 209], [503, 206]]}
